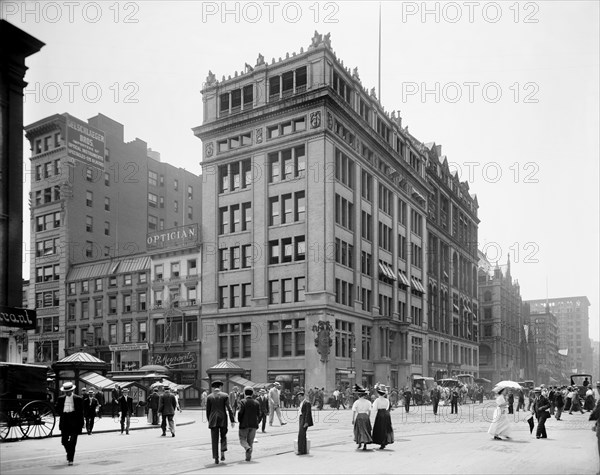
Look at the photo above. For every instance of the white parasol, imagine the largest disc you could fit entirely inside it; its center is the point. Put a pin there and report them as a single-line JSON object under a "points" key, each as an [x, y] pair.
{"points": [[507, 384]]}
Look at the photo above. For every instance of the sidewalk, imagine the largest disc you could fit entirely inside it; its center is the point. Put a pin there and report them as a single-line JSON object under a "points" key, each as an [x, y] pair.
{"points": [[109, 424]]}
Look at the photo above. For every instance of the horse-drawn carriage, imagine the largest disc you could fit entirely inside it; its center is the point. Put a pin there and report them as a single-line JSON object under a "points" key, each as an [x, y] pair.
{"points": [[24, 409]]}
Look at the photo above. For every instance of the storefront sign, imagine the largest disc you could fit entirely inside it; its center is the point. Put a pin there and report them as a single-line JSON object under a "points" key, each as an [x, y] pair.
{"points": [[174, 237], [185, 360], [128, 347], [17, 317], [84, 142]]}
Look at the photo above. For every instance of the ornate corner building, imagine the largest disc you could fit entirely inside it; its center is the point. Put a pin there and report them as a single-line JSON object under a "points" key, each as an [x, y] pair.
{"points": [[316, 206]]}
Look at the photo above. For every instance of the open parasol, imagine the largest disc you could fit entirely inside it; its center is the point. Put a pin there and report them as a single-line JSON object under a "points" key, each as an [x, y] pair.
{"points": [[507, 384]]}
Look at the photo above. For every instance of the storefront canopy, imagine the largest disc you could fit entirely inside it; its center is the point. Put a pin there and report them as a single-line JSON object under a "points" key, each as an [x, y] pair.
{"points": [[101, 382], [173, 386], [243, 382]]}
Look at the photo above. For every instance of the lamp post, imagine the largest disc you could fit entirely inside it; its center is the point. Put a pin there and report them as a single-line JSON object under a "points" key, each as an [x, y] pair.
{"points": [[353, 350]]}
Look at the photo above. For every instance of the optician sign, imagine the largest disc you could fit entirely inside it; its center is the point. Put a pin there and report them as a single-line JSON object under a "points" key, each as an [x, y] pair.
{"points": [[84, 142], [174, 237], [18, 317]]}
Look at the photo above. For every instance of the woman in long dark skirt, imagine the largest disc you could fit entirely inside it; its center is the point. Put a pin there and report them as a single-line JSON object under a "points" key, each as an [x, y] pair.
{"points": [[383, 433], [361, 411]]}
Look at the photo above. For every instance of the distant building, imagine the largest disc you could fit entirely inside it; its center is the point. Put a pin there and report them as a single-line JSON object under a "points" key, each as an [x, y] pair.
{"points": [[94, 197], [501, 326], [548, 359], [572, 314]]}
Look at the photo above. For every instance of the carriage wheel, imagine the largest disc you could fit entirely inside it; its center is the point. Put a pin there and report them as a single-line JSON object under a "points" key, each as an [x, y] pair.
{"points": [[37, 420], [10, 427]]}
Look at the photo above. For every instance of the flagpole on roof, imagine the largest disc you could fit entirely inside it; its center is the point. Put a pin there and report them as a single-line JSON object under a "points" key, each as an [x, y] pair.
{"points": [[379, 67]]}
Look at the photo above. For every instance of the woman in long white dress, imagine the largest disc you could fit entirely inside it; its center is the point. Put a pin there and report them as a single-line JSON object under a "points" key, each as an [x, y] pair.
{"points": [[500, 425]]}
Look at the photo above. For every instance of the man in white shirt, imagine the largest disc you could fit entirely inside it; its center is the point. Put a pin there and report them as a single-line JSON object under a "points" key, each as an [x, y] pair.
{"points": [[70, 409], [274, 403]]}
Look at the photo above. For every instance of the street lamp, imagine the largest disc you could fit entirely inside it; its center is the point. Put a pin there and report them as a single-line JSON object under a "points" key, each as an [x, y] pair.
{"points": [[352, 368]]}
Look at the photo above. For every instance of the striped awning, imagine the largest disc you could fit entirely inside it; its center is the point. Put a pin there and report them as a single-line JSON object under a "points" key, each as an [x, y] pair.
{"points": [[402, 278], [416, 285]]}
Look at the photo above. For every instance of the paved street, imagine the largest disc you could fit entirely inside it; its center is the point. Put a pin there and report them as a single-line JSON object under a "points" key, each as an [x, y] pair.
{"points": [[424, 444]]}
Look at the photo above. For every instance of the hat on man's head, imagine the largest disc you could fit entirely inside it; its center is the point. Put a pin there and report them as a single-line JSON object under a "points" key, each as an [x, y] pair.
{"points": [[300, 393], [217, 383], [68, 386], [248, 391], [90, 391], [263, 391], [155, 390], [125, 390], [277, 383], [597, 383]]}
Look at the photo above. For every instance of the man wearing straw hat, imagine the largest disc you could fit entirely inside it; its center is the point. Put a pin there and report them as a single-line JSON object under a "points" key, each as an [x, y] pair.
{"points": [[70, 409]]}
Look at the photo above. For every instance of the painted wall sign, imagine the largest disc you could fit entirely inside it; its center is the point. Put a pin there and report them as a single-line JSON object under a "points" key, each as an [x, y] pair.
{"points": [[186, 360]]}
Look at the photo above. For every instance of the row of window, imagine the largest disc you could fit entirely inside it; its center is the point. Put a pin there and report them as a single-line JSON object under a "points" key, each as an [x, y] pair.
{"points": [[344, 169], [287, 250], [236, 257], [175, 266], [49, 142], [47, 221], [236, 100], [287, 208], [235, 218], [98, 283], [344, 253], [235, 296], [235, 176], [47, 195], [344, 293], [287, 164], [89, 225], [287, 290], [286, 128], [154, 179], [96, 338], [237, 141]]}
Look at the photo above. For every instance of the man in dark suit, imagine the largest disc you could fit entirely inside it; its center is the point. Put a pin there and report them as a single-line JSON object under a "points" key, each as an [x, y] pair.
{"points": [[167, 407], [305, 421], [263, 404], [70, 409], [153, 403], [90, 409], [248, 413], [216, 405], [435, 398], [126, 409]]}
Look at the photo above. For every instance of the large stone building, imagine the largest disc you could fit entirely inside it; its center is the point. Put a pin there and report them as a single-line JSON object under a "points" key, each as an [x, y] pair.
{"points": [[501, 326], [452, 259], [572, 314], [93, 197], [315, 232]]}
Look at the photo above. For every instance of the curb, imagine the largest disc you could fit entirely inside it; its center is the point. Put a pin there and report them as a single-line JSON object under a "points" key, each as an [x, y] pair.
{"points": [[118, 429]]}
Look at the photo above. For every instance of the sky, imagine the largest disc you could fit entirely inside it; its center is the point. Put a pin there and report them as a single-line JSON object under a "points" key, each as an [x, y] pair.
{"points": [[510, 90]]}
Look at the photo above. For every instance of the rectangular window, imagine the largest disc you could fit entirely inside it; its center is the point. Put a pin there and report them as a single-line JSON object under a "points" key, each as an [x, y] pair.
{"points": [[142, 301], [112, 304], [274, 216], [274, 292], [152, 178], [300, 206], [246, 216], [223, 296], [112, 333], [223, 220]]}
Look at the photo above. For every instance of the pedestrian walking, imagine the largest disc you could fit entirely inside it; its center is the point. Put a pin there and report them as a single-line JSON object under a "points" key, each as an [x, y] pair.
{"points": [[263, 404], [100, 398], [511, 402], [595, 416], [70, 410], [435, 398], [575, 402], [383, 432], [559, 401], [248, 413], [152, 406], [116, 395], [234, 399], [126, 409], [275, 403], [91, 406], [543, 413], [216, 405], [521, 400], [166, 408], [500, 425], [454, 401], [361, 411], [305, 421], [407, 396]]}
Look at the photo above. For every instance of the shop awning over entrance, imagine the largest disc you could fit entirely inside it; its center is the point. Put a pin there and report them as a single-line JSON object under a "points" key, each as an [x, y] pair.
{"points": [[101, 382], [243, 382]]}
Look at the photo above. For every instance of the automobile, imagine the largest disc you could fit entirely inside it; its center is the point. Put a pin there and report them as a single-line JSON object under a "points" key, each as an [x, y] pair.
{"points": [[421, 389]]}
